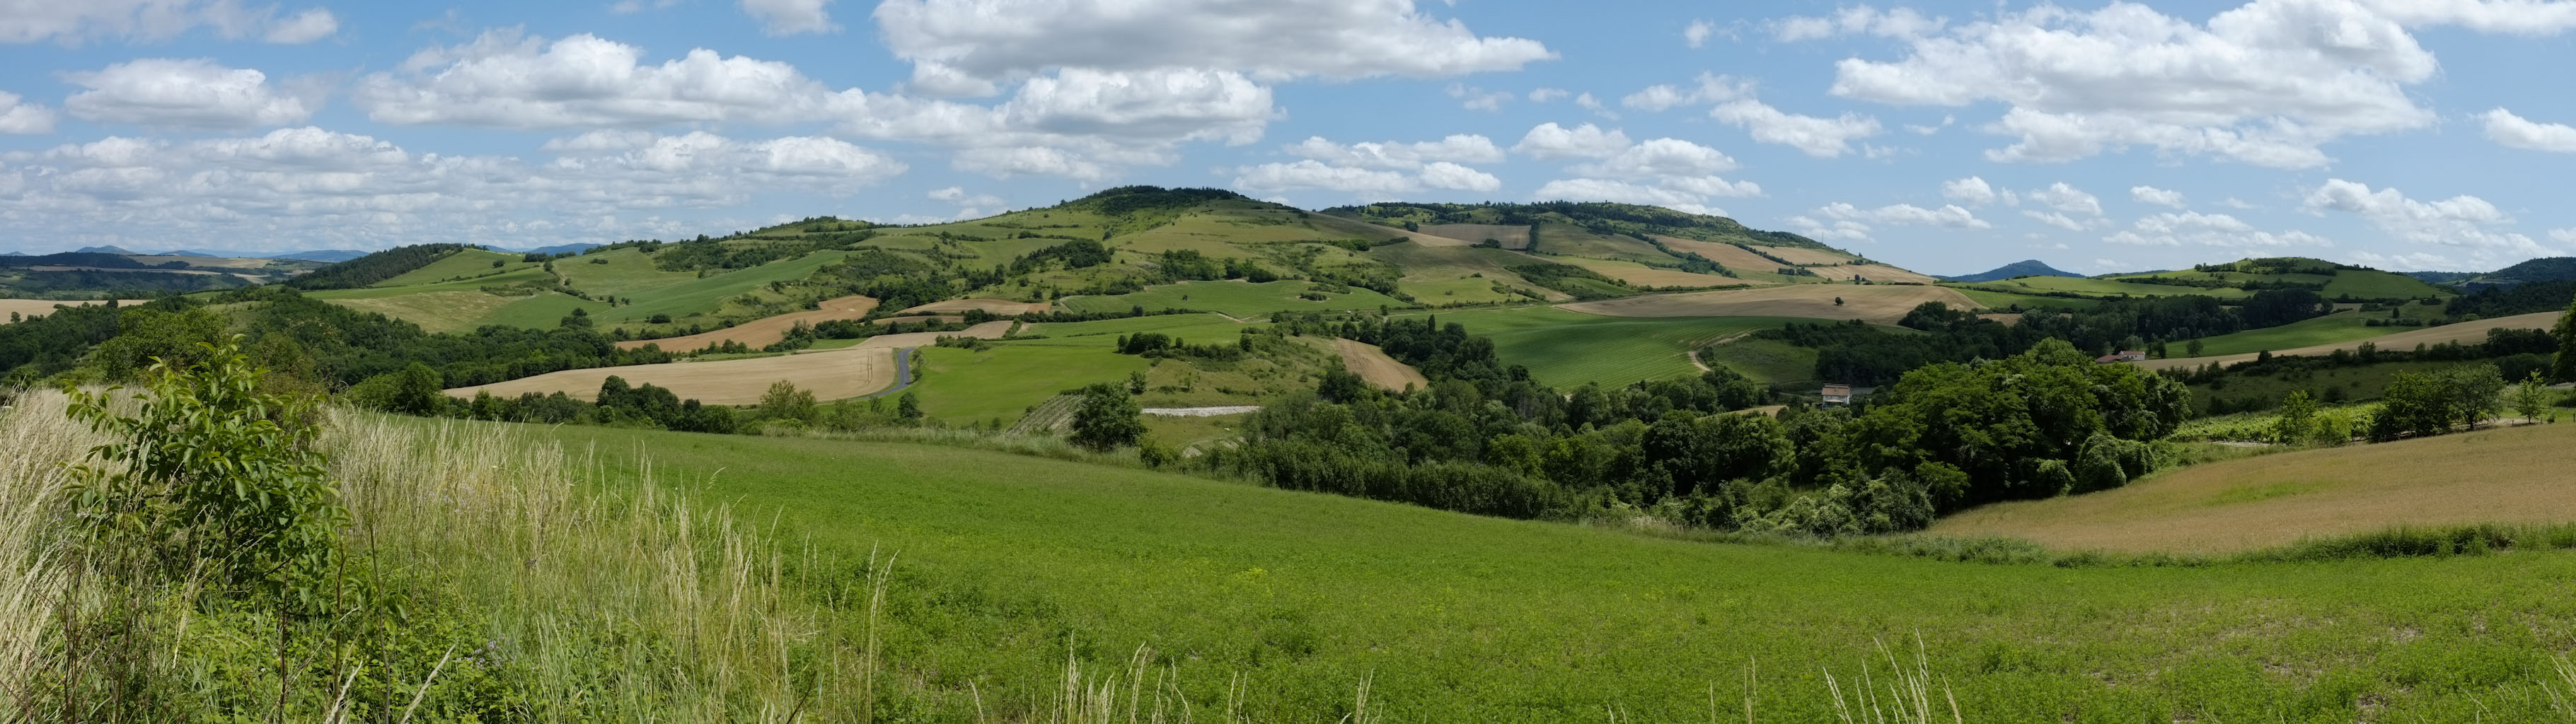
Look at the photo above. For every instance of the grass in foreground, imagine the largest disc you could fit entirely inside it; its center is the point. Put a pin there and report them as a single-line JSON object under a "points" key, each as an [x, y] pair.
{"points": [[1015, 563]]}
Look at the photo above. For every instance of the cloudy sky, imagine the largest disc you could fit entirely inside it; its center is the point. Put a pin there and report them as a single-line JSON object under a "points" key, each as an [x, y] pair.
{"points": [[1948, 138]]}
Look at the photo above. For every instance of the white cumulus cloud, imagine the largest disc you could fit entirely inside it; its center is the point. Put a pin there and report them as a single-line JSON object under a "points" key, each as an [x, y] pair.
{"points": [[1973, 191], [1697, 33], [1551, 141], [2268, 83], [74, 22], [2066, 198], [1270, 41], [310, 188], [2157, 196], [2511, 130], [20, 117], [1949, 215], [2463, 220], [185, 93], [1817, 136]]}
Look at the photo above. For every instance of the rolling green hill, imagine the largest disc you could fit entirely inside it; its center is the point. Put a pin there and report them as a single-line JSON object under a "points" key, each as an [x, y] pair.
{"points": [[1165, 248], [1011, 565]]}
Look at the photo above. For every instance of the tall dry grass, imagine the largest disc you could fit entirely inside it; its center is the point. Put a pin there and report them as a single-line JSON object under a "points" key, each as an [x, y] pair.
{"points": [[36, 436], [668, 609]]}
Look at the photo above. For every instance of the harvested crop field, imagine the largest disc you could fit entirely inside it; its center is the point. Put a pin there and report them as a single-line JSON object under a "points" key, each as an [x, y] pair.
{"points": [[1876, 304], [2519, 476], [764, 331], [1726, 255], [1002, 307], [1802, 257], [831, 374], [1512, 237], [1647, 276], [2464, 332], [919, 318], [1873, 272], [1372, 364], [42, 307]]}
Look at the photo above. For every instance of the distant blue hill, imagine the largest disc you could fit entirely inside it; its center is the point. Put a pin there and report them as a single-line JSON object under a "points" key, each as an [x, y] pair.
{"points": [[2023, 268], [101, 250]]}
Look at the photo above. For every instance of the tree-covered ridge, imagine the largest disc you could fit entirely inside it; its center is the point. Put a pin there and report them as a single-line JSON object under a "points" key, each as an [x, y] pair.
{"points": [[372, 268], [1599, 216], [1128, 200], [1483, 438]]}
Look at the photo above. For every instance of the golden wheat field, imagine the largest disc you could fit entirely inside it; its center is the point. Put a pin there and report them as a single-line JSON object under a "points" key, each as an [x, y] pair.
{"points": [[2464, 332], [2507, 475], [1372, 364], [41, 307], [1726, 255], [764, 331]]}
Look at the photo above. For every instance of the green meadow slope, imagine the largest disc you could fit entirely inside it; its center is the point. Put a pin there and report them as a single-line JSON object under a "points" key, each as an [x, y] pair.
{"points": [[1010, 565]]}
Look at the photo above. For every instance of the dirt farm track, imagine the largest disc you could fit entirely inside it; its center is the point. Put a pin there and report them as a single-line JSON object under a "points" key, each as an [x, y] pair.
{"points": [[830, 374]]}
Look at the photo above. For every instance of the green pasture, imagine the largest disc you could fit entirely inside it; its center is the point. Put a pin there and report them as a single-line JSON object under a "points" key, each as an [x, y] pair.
{"points": [[964, 386], [1566, 349], [628, 272], [708, 294], [1569, 240], [1198, 328], [1768, 361], [1241, 299], [2102, 288], [466, 263], [1008, 566], [2337, 327]]}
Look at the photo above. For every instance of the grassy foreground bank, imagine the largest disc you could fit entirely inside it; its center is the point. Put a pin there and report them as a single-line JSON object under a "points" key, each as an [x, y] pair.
{"points": [[1289, 600]]}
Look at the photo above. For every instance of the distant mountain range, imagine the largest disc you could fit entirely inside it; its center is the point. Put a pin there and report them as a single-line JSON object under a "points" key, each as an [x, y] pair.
{"points": [[2023, 268]]}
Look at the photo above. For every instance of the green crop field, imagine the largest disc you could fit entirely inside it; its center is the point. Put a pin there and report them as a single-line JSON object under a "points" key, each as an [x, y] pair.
{"points": [[1567, 349], [2343, 326], [2102, 288], [1199, 328], [696, 296], [1241, 299], [627, 273], [1008, 565], [1768, 361], [2364, 284], [467, 263], [1570, 240], [968, 386]]}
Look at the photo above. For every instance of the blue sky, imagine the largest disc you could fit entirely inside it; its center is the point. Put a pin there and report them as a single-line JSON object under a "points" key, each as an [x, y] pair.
{"points": [[1944, 137]]}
